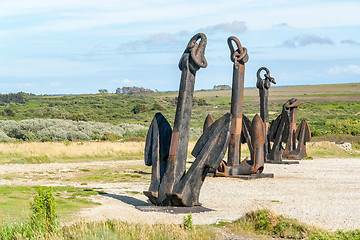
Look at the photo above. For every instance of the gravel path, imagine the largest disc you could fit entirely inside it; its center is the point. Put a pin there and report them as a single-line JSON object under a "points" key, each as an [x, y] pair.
{"points": [[322, 192]]}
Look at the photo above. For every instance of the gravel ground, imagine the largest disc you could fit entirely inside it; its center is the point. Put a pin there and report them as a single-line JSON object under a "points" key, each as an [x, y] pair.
{"points": [[321, 192]]}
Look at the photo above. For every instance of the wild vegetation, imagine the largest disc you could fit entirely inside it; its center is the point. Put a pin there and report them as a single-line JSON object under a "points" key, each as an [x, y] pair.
{"points": [[44, 223], [329, 109], [46, 130], [92, 129]]}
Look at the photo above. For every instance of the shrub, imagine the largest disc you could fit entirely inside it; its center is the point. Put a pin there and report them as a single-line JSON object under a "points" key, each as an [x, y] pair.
{"points": [[347, 126], [65, 130], [157, 106], [187, 222], [111, 137], [8, 112], [43, 210], [139, 108]]}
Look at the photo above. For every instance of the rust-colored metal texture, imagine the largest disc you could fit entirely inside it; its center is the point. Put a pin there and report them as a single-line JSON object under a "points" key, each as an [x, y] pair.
{"points": [[170, 183], [209, 152], [283, 130], [156, 153], [239, 57], [264, 84], [191, 61], [245, 135], [279, 132], [291, 140], [303, 135], [208, 121], [257, 144], [242, 129]]}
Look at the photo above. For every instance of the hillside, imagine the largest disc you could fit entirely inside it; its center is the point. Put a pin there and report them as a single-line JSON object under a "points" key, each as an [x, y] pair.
{"points": [[329, 109]]}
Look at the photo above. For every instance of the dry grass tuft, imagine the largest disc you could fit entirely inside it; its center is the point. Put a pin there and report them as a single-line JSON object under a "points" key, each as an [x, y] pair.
{"points": [[70, 150]]}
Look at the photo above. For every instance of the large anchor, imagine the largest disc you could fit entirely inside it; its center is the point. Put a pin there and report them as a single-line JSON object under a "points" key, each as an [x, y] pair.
{"points": [[283, 130], [263, 85], [291, 140], [166, 149], [242, 129], [302, 134]]}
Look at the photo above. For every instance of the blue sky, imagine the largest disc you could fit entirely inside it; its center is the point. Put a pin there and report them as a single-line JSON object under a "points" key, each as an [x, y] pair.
{"points": [[80, 46]]}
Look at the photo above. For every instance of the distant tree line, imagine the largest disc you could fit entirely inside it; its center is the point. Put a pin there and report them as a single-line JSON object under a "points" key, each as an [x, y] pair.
{"points": [[19, 97], [133, 90]]}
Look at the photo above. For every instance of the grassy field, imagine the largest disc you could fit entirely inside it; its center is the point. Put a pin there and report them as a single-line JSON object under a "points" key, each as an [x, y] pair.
{"points": [[46, 152], [333, 113], [323, 106], [58, 152], [262, 224]]}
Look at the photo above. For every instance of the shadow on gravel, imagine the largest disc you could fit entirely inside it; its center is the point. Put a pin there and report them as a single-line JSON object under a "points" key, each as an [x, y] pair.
{"points": [[126, 199]]}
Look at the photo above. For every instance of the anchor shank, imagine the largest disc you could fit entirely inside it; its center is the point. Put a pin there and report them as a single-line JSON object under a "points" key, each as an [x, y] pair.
{"points": [[237, 99]]}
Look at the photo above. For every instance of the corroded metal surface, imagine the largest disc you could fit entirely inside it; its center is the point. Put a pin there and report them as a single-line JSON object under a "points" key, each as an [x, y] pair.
{"points": [[257, 142], [166, 149], [291, 140], [208, 121], [279, 133], [239, 57], [263, 84], [242, 129], [303, 135], [156, 153], [283, 130], [209, 152], [191, 61]]}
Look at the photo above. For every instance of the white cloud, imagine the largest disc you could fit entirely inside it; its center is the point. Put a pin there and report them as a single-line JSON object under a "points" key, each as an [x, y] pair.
{"points": [[46, 67], [25, 85], [115, 81], [161, 37], [234, 27], [304, 40], [128, 81], [283, 25], [55, 84], [353, 69], [72, 15], [350, 42]]}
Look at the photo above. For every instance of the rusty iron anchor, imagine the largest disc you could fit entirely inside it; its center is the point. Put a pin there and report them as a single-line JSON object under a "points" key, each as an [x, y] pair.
{"points": [[176, 187], [239, 57], [263, 85], [242, 130], [291, 140], [279, 132], [191, 61], [303, 135]]}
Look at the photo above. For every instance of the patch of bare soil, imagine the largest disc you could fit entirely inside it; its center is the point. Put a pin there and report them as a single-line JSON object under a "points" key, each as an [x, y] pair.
{"points": [[321, 192]]}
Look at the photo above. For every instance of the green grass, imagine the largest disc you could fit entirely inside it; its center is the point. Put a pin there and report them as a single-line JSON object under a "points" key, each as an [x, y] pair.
{"points": [[261, 224], [265, 222], [110, 229], [328, 149], [139, 173], [20, 159], [14, 201], [128, 173], [332, 102]]}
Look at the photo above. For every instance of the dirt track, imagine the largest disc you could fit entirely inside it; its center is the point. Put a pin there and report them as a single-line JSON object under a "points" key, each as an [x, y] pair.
{"points": [[322, 192]]}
